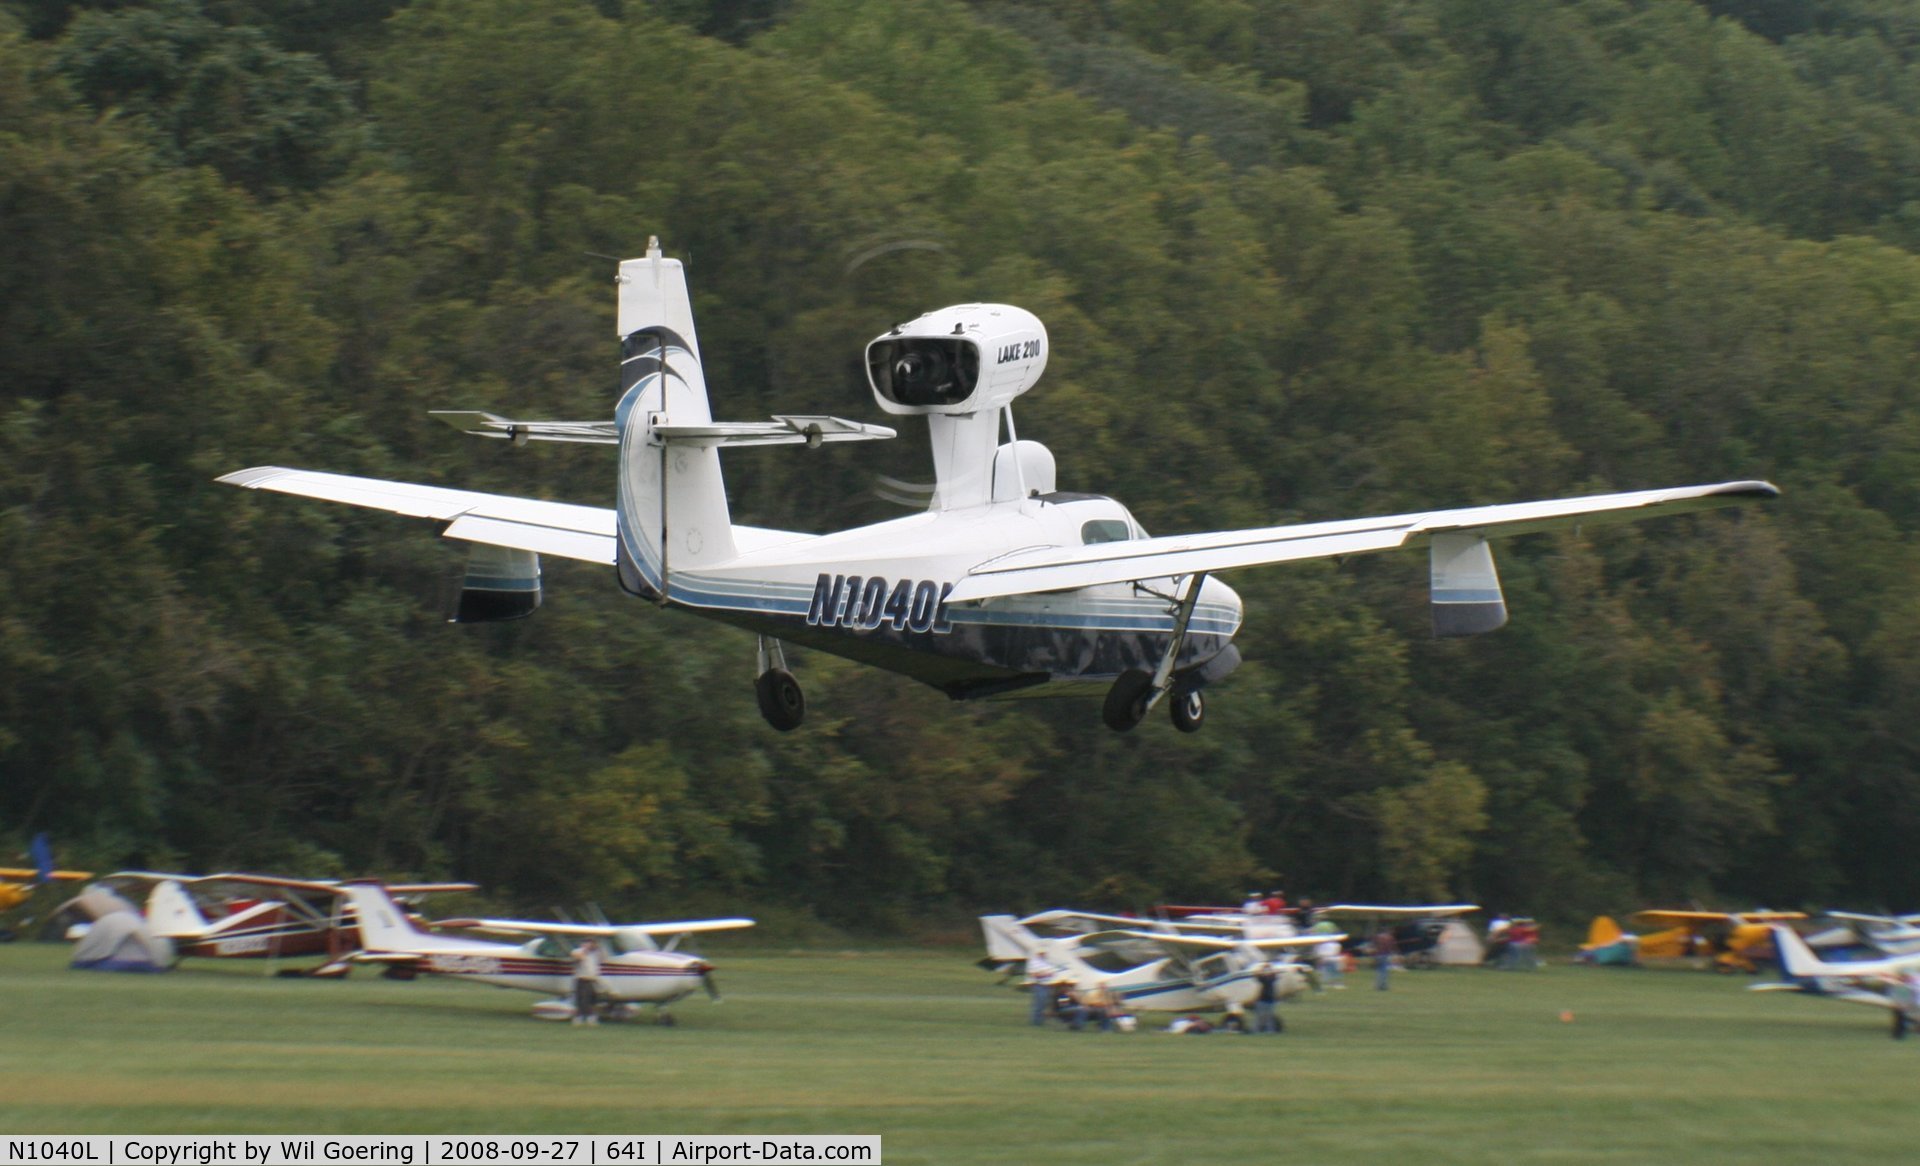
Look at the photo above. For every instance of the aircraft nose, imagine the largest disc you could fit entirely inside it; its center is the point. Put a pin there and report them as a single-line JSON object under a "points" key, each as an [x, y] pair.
{"points": [[1214, 592]]}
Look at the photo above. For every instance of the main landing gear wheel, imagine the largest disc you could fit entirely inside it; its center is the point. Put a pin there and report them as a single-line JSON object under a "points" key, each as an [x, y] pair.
{"points": [[781, 701], [1189, 709], [1127, 700]]}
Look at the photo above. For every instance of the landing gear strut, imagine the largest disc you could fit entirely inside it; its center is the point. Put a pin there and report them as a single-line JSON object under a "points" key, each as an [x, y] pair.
{"points": [[781, 701], [1135, 692]]}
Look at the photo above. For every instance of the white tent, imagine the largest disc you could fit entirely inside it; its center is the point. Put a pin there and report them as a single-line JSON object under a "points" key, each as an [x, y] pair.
{"points": [[119, 941]]}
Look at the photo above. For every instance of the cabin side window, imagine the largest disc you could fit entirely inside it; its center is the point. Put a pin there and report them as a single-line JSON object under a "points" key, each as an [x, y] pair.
{"points": [[1105, 530]]}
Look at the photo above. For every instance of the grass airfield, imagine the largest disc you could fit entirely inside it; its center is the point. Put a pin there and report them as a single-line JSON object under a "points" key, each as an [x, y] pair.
{"points": [[920, 1047]]}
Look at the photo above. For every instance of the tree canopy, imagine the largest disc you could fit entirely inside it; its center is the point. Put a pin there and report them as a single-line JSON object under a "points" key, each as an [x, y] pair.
{"points": [[1299, 259]]}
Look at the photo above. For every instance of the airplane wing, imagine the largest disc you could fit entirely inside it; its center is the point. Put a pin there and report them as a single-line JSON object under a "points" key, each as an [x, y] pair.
{"points": [[1659, 918], [1226, 943], [1070, 568], [1850, 916], [1064, 918], [28, 874], [326, 886], [1352, 910], [525, 524], [531, 927]]}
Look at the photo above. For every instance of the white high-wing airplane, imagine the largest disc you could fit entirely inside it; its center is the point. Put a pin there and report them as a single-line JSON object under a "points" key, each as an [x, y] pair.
{"points": [[1888, 934], [635, 969], [1881, 983], [1005, 584], [1152, 965]]}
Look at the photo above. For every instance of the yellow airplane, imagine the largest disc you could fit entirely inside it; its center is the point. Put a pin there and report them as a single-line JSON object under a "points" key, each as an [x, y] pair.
{"points": [[17, 883], [1739, 942]]}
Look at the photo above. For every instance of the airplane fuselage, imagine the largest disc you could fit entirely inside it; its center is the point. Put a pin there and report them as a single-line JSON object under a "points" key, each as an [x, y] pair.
{"points": [[877, 594], [656, 977]]}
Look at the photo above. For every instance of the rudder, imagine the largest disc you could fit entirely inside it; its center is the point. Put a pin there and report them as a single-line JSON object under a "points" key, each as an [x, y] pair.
{"points": [[671, 503]]}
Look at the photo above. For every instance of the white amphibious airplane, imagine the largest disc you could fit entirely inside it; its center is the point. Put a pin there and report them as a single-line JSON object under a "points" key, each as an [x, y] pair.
{"points": [[1151, 965], [1887, 982], [635, 969], [1004, 584]]}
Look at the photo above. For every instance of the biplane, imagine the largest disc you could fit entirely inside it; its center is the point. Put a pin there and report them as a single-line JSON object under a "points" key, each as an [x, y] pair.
{"points": [[253, 916], [1725, 942]]}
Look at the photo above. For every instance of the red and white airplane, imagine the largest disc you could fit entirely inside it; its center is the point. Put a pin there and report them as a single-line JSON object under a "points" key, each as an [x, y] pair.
{"points": [[250, 916], [635, 969]]}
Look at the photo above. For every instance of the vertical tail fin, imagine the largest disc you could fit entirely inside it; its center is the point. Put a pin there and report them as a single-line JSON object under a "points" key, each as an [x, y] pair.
{"points": [[1797, 960], [1007, 940], [171, 912], [383, 925], [42, 851], [671, 503]]}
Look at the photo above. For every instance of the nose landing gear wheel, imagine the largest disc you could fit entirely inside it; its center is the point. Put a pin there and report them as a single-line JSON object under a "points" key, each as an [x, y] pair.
{"points": [[1189, 709], [781, 701], [1127, 700]]}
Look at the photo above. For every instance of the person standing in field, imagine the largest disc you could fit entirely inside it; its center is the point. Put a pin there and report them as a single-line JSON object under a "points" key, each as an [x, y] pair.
{"points": [[1040, 976], [586, 982], [1385, 947], [1266, 995]]}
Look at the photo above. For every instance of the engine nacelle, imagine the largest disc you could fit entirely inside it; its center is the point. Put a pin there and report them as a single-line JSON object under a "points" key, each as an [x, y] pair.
{"points": [[965, 359]]}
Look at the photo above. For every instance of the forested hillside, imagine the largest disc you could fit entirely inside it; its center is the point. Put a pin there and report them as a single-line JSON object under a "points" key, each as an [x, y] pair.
{"points": [[1298, 258]]}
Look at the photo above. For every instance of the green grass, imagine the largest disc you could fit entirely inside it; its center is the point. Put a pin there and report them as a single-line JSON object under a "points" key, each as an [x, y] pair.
{"points": [[1450, 1066]]}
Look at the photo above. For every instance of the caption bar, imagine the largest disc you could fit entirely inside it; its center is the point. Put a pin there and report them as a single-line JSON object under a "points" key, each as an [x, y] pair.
{"points": [[431, 1149]]}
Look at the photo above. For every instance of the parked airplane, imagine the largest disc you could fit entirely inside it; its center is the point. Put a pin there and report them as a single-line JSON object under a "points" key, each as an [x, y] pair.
{"points": [[1152, 966], [1868, 934], [18, 883], [250, 916], [1738, 942], [1006, 584], [1888, 982], [635, 968]]}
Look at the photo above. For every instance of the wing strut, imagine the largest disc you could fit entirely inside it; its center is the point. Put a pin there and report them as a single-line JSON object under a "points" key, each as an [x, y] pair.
{"points": [[1135, 692]]}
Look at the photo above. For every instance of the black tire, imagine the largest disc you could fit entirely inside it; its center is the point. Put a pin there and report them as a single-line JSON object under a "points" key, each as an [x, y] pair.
{"points": [[1189, 709], [781, 701], [1126, 704]]}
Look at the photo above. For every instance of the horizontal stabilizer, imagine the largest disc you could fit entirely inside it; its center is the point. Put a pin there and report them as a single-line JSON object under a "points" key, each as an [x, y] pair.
{"points": [[782, 430]]}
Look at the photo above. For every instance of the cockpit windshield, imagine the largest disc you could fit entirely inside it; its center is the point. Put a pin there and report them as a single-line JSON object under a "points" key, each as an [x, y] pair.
{"points": [[1105, 530]]}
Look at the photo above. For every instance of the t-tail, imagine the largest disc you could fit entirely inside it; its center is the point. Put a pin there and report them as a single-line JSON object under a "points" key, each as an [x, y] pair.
{"points": [[671, 505]]}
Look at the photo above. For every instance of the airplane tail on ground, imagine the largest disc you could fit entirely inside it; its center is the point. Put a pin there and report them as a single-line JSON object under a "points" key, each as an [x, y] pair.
{"points": [[171, 912], [671, 505], [1797, 960], [1008, 941], [383, 925], [1603, 930]]}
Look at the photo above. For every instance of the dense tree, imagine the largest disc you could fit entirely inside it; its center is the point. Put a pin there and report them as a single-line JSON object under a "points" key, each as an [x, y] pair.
{"points": [[1298, 259]]}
